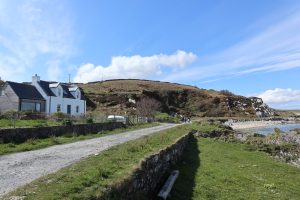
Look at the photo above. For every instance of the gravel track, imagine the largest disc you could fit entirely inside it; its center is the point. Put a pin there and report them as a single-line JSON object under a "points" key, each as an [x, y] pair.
{"points": [[21, 168]]}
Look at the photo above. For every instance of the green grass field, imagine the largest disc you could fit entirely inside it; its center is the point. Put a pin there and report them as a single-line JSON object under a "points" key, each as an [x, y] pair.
{"points": [[210, 169], [90, 177], [6, 123], [34, 144], [213, 169]]}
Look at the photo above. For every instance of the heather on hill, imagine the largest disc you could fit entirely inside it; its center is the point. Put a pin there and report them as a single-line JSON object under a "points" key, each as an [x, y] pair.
{"points": [[121, 96]]}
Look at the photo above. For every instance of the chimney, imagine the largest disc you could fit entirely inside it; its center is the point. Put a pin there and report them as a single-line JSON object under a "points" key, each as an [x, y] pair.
{"points": [[35, 78]]}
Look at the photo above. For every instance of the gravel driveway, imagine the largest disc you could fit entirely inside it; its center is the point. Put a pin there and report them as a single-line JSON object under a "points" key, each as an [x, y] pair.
{"points": [[21, 168]]}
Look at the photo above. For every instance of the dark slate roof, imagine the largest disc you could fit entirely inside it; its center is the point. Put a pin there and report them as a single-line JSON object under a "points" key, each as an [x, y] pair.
{"points": [[45, 86], [24, 91], [82, 97], [66, 92]]}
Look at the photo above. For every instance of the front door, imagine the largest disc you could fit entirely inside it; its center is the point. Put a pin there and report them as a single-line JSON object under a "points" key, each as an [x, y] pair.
{"points": [[69, 109]]}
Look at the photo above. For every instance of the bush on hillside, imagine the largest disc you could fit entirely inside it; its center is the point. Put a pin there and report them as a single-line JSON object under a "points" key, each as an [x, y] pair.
{"points": [[164, 117], [147, 107], [227, 93]]}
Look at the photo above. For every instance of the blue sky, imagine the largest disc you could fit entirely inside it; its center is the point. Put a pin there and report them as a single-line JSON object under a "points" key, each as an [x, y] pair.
{"points": [[250, 47]]}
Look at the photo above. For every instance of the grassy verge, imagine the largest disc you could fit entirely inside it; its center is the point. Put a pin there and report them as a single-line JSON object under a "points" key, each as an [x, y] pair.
{"points": [[34, 144], [6, 123], [89, 178], [213, 169]]}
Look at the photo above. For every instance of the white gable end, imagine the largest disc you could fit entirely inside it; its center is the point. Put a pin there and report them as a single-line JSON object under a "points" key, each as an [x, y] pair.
{"points": [[64, 98]]}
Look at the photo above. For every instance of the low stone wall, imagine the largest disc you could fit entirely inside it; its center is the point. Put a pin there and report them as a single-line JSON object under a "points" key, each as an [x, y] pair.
{"points": [[19, 135], [148, 178]]}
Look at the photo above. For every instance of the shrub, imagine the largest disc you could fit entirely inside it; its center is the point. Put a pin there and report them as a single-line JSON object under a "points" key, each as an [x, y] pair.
{"points": [[216, 100], [147, 107], [11, 114], [67, 122], [164, 117], [54, 140], [89, 120], [226, 93], [32, 115], [258, 135], [58, 116]]}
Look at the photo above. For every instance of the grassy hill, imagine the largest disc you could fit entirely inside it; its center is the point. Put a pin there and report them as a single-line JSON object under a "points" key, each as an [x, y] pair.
{"points": [[118, 96]]}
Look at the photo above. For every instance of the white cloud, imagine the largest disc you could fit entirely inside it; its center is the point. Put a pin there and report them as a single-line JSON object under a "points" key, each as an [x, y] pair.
{"points": [[276, 48], [282, 98], [33, 33], [134, 67]]}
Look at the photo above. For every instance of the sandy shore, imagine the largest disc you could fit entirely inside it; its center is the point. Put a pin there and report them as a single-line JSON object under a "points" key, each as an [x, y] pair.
{"points": [[253, 124]]}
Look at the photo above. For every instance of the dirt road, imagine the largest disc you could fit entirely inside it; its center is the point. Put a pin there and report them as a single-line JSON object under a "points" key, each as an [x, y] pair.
{"points": [[21, 168]]}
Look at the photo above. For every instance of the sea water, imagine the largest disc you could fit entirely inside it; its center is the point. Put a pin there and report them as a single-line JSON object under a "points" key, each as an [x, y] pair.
{"points": [[270, 129]]}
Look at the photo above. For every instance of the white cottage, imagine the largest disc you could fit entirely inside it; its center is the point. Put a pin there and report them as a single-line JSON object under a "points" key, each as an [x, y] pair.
{"points": [[60, 97]]}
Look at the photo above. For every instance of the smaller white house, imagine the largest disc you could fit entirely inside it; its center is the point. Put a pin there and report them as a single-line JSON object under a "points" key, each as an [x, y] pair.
{"points": [[60, 97]]}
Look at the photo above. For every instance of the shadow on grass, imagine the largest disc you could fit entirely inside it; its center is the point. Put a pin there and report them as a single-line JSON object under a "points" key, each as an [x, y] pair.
{"points": [[184, 185]]}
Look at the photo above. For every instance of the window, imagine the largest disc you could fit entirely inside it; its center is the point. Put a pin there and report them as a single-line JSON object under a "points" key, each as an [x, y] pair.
{"points": [[28, 106], [58, 109], [31, 106], [77, 109], [38, 107], [69, 109]]}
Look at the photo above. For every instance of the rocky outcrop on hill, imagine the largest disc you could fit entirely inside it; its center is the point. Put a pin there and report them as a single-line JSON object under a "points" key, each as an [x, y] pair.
{"points": [[120, 96], [249, 106], [261, 109]]}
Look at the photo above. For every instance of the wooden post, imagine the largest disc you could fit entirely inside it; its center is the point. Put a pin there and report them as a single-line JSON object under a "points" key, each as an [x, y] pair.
{"points": [[14, 118]]}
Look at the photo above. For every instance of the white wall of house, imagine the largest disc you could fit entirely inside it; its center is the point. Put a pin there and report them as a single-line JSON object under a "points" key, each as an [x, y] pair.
{"points": [[53, 102], [64, 102]]}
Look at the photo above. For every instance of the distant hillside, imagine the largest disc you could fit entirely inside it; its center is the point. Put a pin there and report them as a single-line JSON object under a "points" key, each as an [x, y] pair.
{"points": [[118, 96], [288, 113]]}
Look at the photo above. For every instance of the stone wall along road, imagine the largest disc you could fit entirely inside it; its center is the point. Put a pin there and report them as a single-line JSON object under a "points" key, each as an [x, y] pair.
{"points": [[21, 168]]}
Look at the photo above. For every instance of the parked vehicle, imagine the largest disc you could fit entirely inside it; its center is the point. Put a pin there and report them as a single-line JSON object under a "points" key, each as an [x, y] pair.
{"points": [[117, 118]]}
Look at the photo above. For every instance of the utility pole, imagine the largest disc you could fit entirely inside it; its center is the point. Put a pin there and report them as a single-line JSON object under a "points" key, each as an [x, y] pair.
{"points": [[69, 78]]}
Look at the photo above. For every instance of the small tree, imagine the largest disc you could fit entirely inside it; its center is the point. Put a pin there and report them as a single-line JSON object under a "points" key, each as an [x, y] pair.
{"points": [[226, 93], [147, 107]]}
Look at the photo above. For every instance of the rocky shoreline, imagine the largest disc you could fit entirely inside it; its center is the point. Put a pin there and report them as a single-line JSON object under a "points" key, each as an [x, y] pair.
{"points": [[260, 123], [253, 124], [279, 144]]}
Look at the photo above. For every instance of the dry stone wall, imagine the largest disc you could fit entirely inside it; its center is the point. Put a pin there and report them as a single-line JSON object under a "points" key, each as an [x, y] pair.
{"points": [[19, 135], [146, 180]]}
